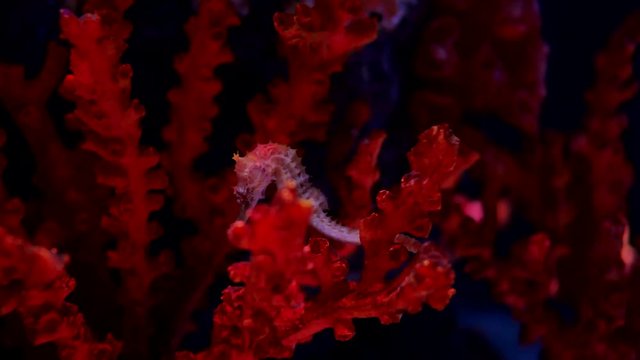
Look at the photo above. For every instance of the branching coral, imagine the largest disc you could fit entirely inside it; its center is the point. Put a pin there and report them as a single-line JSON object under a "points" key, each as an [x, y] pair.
{"points": [[316, 42], [192, 108], [100, 87], [192, 102], [64, 186], [271, 312], [579, 202], [34, 284], [362, 173], [542, 218], [482, 57]]}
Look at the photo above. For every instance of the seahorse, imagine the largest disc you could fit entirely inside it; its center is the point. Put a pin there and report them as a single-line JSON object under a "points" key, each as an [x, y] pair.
{"points": [[279, 164]]}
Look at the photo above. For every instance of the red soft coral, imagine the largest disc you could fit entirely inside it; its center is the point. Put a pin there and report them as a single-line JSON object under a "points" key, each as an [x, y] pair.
{"points": [[209, 203], [100, 86], [361, 175], [316, 42], [192, 106], [484, 56], [574, 188], [33, 282], [272, 311]]}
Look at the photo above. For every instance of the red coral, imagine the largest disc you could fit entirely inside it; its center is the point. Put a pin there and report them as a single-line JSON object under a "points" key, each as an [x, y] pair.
{"points": [[316, 42], [100, 87], [361, 174], [11, 209], [482, 56], [407, 210], [605, 123], [477, 57], [64, 185], [33, 282], [209, 203], [354, 175], [575, 189], [527, 280], [191, 103], [111, 13], [272, 312]]}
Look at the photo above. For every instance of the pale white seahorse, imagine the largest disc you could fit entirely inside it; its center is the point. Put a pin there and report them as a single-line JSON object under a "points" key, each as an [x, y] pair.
{"points": [[279, 164]]}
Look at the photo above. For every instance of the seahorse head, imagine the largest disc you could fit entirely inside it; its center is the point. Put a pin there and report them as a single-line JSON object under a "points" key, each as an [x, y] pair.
{"points": [[256, 170]]}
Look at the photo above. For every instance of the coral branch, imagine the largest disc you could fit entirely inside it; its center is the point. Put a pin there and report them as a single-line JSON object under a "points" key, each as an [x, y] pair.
{"points": [[482, 57], [34, 283], [605, 123], [585, 262], [352, 167], [59, 172], [316, 42], [272, 312], [192, 106], [407, 210], [192, 110], [18, 93], [100, 87], [362, 173], [26, 100], [11, 209]]}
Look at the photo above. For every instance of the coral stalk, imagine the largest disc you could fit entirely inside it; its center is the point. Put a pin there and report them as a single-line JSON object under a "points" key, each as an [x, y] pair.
{"points": [[192, 111], [316, 42], [100, 87], [583, 260], [192, 103], [34, 283]]}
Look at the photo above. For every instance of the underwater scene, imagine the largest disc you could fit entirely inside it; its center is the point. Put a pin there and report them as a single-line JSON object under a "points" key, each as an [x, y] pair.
{"points": [[319, 179]]}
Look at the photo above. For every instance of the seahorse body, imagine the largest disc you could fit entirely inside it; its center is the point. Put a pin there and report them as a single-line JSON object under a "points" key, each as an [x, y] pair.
{"points": [[279, 164]]}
